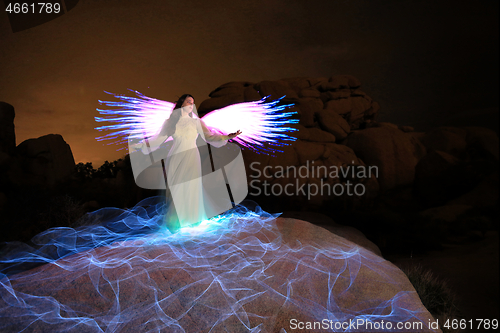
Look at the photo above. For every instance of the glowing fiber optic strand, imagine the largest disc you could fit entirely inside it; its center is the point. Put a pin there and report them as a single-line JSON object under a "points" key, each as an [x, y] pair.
{"points": [[99, 228], [234, 273], [263, 124], [135, 116]]}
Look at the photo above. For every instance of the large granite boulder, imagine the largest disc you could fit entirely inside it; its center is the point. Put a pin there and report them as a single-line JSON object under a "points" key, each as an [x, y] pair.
{"points": [[311, 174], [332, 122], [433, 181], [485, 194], [328, 110], [450, 140], [44, 161], [465, 143], [482, 143], [7, 132], [391, 150], [258, 275], [347, 232], [336, 105], [440, 177], [447, 214]]}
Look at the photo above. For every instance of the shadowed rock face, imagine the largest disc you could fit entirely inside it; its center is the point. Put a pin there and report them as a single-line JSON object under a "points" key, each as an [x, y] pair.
{"points": [[43, 161], [458, 161], [337, 129], [349, 233], [40, 162], [464, 143], [336, 105], [328, 109], [253, 276], [331, 113], [7, 132], [395, 154]]}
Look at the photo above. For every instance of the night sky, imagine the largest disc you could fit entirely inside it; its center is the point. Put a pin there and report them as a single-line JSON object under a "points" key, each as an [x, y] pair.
{"points": [[427, 63]]}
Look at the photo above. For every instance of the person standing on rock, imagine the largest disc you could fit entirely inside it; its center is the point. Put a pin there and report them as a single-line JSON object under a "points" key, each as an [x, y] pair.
{"points": [[262, 123]]}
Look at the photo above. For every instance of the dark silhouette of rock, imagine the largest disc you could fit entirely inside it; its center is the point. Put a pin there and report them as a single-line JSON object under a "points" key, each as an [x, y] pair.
{"points": [[275, 89], [406, 129], [465, 143], [441, 177], [447, 213], [338, 95], [7, 132], [307, 108], [393, 152], [309, 93], [344, 81], [482, 143], [328, 109], [333, 123], [45, 160], [220, 102], [485, 194], [450, 140], [433, 165]]}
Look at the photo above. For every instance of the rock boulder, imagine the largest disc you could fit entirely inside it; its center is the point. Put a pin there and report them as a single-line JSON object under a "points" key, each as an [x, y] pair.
{"points": [[7, 133], [48, 158], [257, 277], [394, 153]]}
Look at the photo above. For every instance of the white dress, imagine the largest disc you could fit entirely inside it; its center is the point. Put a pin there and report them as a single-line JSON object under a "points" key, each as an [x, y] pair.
{"points": [[184, 172]]}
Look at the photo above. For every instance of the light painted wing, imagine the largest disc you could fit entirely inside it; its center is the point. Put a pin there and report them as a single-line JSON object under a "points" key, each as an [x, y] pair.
{"points": [[137, 117], [263, 124]]}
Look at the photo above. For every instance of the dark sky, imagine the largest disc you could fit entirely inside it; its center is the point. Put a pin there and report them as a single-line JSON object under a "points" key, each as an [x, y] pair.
{"points": [[427, 63]]}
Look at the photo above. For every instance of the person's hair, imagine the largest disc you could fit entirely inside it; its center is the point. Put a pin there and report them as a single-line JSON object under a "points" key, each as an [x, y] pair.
{"points": [[169, 125]]}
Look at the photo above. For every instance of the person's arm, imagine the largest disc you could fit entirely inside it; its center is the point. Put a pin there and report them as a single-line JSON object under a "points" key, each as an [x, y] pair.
{"points": [[216, 140], [154, 143]]}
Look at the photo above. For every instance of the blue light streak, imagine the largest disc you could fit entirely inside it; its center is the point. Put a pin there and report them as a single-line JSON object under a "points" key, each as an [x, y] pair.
{"points": [[237, 273]]}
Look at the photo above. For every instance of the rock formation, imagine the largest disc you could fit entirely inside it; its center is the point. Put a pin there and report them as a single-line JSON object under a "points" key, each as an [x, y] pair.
{"points": [[335, 105], [328, 109], [337, 133], [258, 276], [44, 161], [7, 133], [337, 128], [443, 180], [391, 150]]}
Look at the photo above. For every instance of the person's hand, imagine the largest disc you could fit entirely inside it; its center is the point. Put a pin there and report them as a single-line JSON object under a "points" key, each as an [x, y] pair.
{"points": [[232, 135]]}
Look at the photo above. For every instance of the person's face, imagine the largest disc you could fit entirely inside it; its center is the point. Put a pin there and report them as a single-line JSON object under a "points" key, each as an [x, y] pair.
{"points": [[188, 104]]}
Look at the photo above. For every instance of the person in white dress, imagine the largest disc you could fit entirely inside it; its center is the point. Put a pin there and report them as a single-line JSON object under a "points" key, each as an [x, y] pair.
{"points": [[185, 204]]}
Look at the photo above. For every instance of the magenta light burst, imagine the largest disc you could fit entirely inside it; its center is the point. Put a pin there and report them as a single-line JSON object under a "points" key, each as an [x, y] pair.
{"points": [[134, 116], [263, 124]]}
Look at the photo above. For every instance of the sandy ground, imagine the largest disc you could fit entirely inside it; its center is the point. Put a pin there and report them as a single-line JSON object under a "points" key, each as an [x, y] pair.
{"points": [[471, 270]]}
